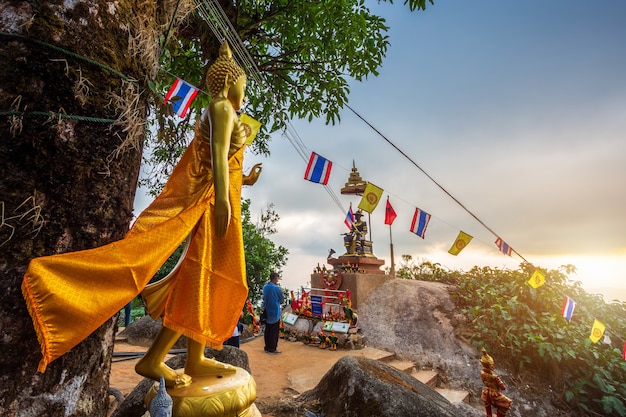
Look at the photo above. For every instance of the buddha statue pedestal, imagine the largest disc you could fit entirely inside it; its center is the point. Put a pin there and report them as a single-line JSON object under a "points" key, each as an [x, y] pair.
{"points": [[231, 395]]}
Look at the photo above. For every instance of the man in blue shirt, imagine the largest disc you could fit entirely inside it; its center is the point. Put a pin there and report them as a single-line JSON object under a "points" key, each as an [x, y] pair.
{"points": [[272, 299]]}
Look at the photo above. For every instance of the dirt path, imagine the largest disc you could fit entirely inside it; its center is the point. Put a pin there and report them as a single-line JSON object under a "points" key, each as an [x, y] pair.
{"points": [[297, 369]]}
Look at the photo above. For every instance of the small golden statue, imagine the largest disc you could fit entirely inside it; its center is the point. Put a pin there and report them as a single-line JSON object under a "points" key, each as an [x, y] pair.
{"points": [[491, 395]]}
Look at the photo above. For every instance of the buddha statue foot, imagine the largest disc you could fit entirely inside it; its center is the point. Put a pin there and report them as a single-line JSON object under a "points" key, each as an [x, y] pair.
{"points": [[154, 371], [208, 367]]}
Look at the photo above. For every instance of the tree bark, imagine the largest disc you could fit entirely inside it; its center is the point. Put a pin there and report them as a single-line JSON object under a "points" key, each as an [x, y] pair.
{"points": [[67, 182]]}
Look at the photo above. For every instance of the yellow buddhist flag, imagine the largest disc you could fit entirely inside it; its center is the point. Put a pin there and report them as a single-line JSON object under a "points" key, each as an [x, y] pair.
{"points": [[596, 331], [371, 197], [460, 243], [537, 279], [251, 127]]}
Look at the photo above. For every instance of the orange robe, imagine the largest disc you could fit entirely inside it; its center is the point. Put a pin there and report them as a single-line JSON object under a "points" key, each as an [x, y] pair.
{"points": [[70, 295]]}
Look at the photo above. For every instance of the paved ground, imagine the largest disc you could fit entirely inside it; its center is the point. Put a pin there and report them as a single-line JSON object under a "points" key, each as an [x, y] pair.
{"points": [[297, 369]]}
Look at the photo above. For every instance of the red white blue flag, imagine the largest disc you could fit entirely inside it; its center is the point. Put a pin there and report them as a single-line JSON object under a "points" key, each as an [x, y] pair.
{"points": [[349, 221], [504, 248], [181, 95], [420, 222], [318, 169], [568, 308]]}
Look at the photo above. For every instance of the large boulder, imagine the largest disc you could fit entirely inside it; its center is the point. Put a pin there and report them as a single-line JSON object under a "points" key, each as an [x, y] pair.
{"points": [[357, 386], [417, 320]]}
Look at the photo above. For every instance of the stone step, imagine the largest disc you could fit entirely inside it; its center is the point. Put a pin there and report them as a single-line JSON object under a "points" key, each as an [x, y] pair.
{"points": [[454, 396], [426, 376], [401, 365]]}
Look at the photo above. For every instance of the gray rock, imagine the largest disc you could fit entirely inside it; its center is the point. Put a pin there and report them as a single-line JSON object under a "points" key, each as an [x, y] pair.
{"points": [[143, 331], [357, 386], [417, 320]]}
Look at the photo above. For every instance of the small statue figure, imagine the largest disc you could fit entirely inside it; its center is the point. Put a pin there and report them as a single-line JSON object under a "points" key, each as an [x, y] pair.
{"points": [[333, 341], [354, 240], [491, 395], [323, 340]]}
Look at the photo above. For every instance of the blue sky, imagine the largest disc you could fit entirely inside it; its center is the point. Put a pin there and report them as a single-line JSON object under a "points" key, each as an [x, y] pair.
{"points": [[518, 109]]}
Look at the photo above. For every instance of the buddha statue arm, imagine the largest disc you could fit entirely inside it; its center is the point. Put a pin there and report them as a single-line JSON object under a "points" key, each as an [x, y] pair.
{"points": [[221, 119]]}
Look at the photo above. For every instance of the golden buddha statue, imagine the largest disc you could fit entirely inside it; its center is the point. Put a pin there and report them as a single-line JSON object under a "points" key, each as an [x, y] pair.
{"points": [[491, 395], [202, 297], [220, 129]]}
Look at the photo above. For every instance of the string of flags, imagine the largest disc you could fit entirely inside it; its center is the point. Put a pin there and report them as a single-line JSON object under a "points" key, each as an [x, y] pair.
{"points": [[181, 94], [504, 248], [390, 213], [568, 308], [349, 220], [318, 170], [371, 197], [420, 222]]}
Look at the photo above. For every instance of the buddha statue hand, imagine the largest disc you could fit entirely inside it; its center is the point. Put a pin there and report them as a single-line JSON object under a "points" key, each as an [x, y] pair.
{"points": [[253, 176], [222, 216]]}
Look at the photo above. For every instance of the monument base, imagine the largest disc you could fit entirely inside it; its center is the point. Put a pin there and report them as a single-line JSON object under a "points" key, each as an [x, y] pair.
{"points": [[359, 285], [369, 264], [231, 395]]}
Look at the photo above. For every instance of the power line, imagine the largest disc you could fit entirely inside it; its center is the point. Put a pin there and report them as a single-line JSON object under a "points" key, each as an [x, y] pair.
{"points": [[429, 177]]}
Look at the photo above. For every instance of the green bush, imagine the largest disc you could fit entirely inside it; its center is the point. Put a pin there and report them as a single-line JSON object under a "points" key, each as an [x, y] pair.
{"points": [[525, 328]]}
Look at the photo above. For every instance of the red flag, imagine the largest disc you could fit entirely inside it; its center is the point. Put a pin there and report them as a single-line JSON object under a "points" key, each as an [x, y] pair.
{"points": [[625, 351], [390, 213]]}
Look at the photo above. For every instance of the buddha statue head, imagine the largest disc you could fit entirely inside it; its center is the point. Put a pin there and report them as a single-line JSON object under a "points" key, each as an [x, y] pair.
{"points": [[224, 73]]}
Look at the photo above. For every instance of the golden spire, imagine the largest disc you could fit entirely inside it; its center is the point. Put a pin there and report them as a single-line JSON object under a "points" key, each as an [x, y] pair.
{"points": [[355, 184]]}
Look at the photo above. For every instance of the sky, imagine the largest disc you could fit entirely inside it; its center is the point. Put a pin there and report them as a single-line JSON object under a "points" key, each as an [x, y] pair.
{"points": [[517, 109]]}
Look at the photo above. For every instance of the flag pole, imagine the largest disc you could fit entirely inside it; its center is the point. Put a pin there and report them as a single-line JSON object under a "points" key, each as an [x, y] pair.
{"points": [[393, 266]]}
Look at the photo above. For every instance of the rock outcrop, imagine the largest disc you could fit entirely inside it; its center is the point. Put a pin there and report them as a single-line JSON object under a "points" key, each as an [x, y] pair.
{"points": [[357, 386], [417, 320]]}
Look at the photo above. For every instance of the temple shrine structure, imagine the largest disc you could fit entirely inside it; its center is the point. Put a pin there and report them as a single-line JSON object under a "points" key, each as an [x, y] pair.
{"points": [[357, 270]]}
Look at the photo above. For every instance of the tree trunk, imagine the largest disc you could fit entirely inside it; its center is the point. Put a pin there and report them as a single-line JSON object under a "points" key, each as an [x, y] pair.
{"points": [[68, 173]]}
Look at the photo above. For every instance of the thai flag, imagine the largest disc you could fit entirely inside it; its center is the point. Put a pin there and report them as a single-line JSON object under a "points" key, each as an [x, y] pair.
{"points": [[181, 95], [318, 169], [349, 221], [420, 222], [568, 308], [504, 248]]}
